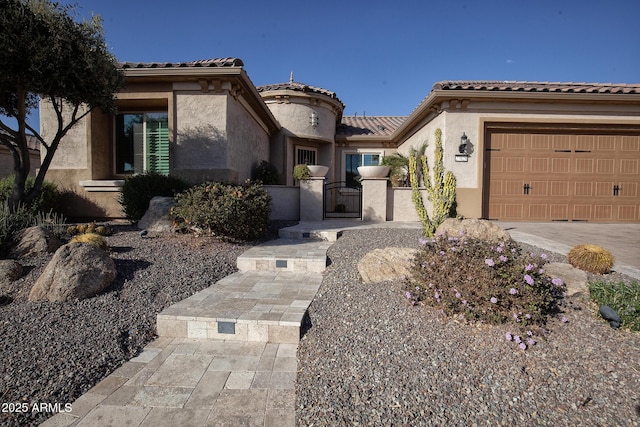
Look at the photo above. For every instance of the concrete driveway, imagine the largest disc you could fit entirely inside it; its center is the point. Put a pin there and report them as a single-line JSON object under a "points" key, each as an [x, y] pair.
{"points": [[622, 240]]}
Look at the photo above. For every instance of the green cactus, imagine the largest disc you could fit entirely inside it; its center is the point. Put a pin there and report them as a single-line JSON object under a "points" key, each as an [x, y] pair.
{"points": [[441, 192]]}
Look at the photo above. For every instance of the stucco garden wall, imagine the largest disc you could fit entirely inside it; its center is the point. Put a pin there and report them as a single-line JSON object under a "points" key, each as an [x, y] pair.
{"points": [[285, 202]]}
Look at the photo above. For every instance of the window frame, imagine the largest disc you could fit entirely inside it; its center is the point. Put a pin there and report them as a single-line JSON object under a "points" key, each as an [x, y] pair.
{"points": [[314, 150], [144, 112], [362, 152]]}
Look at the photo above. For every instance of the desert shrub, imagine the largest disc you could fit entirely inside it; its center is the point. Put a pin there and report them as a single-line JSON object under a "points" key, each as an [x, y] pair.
{"points": [[623, 297], [492, 283], [226, 210], [12, 222], [92, 239], [591, 258], [138, 190], [301, 172], [266, 173], [46, 201]]}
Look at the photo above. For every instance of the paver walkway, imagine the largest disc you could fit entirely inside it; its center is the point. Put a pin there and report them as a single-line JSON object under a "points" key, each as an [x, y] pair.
{"points": [[225, 356]]}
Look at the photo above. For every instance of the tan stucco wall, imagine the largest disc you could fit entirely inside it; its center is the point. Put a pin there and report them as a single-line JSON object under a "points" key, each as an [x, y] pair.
{"points": [[200, 152], [73, 151], [248, 143], [6, 162], [295, 116], [285, 202]]}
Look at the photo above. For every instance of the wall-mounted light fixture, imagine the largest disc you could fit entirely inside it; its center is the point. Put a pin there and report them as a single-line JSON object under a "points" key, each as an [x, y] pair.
{"points": [[464, 149], [314, 119]]}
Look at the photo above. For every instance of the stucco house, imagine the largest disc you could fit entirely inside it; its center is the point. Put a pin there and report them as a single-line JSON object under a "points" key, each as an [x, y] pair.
{"points": [[527, 151], [6, 158]]}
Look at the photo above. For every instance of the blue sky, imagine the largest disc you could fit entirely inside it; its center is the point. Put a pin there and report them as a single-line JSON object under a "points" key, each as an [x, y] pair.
{"points": [[382, 58]]}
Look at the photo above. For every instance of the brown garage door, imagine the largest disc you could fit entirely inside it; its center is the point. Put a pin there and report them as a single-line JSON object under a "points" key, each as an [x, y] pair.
{"points": [[562, 174]]}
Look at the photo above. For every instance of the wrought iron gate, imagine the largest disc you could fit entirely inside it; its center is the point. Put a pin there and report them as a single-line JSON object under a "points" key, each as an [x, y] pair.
{"points": [[342, 200]]}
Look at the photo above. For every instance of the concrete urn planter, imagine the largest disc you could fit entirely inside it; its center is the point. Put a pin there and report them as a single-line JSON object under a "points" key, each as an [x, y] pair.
{"points": [[373, 171], [318, 171]]}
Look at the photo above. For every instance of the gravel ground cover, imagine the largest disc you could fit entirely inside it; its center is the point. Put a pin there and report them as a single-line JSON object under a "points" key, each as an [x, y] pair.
{"points": [[369, 358], [54, 352]]}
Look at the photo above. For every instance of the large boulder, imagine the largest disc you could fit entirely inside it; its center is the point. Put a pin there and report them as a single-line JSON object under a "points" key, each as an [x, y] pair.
{"points": [[77, 270], [385, 264], [10, 270], [480, 229], [158, 219], [33, 241], [574, 278]]}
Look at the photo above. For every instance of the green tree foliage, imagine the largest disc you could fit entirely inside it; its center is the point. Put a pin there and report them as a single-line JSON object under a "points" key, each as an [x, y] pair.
{"points": [[46, 54]]}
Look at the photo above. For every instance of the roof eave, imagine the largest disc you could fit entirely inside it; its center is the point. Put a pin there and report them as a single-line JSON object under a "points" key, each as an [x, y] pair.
{"points": [[429, 104]]}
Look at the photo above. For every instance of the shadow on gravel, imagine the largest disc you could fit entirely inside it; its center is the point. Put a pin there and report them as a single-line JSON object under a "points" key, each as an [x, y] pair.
{"points": [[121, 249], [306, 325], [126, 271], [638, 410]]}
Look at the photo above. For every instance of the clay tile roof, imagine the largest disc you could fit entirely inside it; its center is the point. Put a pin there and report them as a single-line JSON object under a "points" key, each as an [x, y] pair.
{"points": [[215, 62], [369, 125], [300, 87], [557, 87]]}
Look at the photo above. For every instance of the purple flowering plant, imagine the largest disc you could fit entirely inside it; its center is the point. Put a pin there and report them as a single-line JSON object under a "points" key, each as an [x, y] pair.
{"points": [[474, 278]]}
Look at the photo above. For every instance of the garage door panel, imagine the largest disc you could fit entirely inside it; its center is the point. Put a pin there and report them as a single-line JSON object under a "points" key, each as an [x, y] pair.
{"points": [[559, 188], [562, 142], [629, 212], [513, 188], [606, 143], [514, 211], [539, 165], [605, 166], [585, 143], [581, 176], [582, 212], [629, 166], [540, 142], [560, 165], [584, 189], [584, 166], [602, 212], [514, 164], [630, 146], [628, 189], [558, 211], [538, 211]]}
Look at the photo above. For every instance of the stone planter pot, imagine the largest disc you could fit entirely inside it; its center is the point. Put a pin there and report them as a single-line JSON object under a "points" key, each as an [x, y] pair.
{"points": [[373, 171], [318, 171]]}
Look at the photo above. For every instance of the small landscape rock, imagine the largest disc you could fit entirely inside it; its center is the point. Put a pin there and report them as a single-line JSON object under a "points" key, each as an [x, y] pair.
{"points": [[473, 228], [390, 263], [610, 314], [10, 270], [77, 270], [158, 219], [574, 278], [35, 240]]}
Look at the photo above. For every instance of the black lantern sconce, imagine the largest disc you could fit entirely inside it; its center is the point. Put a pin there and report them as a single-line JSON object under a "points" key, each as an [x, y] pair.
{"points": [[314, 119], [464, 149]]}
